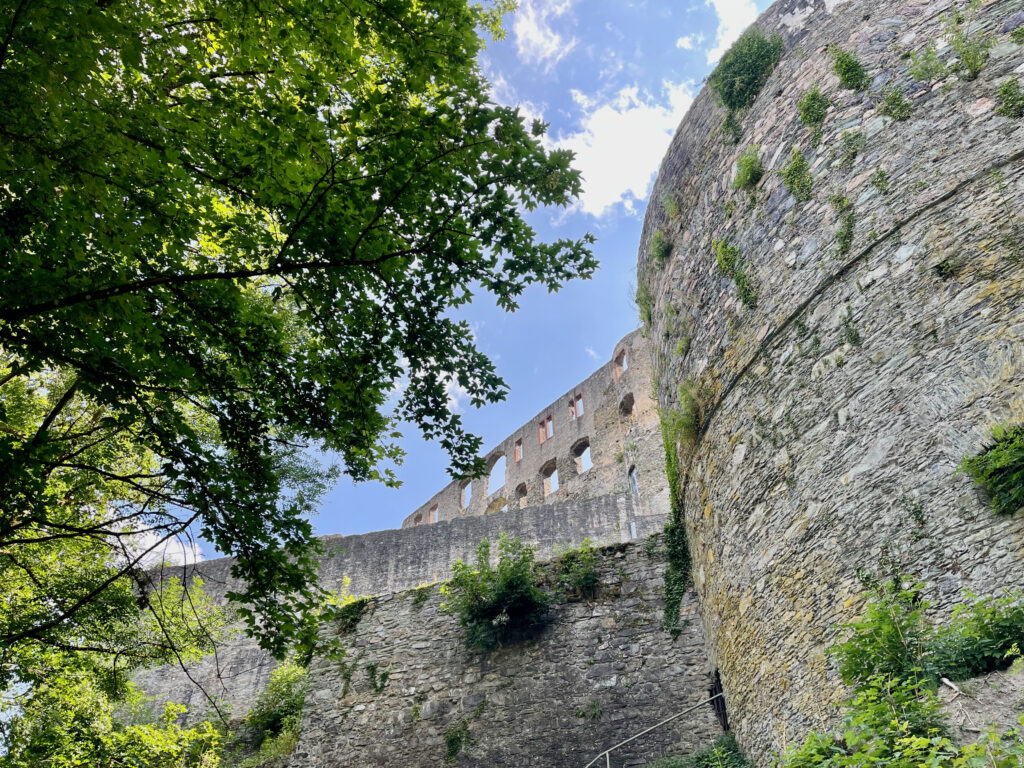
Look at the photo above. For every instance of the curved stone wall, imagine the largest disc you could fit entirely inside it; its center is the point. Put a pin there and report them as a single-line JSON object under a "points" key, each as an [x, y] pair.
{"points": [[594, 436], [835, 411]]}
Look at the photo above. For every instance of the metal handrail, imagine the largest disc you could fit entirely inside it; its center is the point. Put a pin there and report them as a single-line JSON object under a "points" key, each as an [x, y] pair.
{"points": [[607, 754]]}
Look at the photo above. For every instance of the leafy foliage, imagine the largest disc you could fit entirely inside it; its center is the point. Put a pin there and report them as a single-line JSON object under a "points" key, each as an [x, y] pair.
{"points": [[849, 69], [797, 176], [495, 604], [847, 219], [576, 571], [644, 304], [851, 144], [813, 107], [661, 247], [749, 169], [895, 104], [999, 469], [727, 257], [271, 727], [456, 738], [227, 231], [681, 426], [925, 65], [724, 753], [1011, 99], [971, 49], [745, 68], [880, 180]]}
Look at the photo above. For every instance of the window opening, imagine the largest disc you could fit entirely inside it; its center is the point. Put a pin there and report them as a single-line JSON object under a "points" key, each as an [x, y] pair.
{"points": [[496, 480], [581, 456], [550, 475], [545, 430], [632, 530], [626, 405], [432, 515], [418, 519], [634, 483], [517, 451], [498, 505], [719, 704], [521, 495], [575, 407], [467, 494], [621, 364]]}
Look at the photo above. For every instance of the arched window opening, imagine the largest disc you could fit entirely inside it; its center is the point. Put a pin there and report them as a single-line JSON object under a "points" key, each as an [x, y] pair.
{"points": [[634, 482], [467, 495], [496, 480], [549, 472], [621, 364], [432, 515], [581, 456], [499, 504], [521, 495], [418, 519]]}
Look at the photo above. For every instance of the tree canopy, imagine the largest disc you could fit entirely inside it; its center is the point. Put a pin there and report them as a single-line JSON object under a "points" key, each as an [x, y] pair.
{"points": [[228, 230]]}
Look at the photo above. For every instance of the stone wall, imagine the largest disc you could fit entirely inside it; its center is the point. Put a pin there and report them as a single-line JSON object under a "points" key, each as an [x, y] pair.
{"points": [[599, 673], [384, 562], [612, 413], [836, 411]]}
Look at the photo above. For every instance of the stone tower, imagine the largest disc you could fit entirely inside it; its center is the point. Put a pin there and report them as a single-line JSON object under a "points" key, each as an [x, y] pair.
{"points": [[884, 340]]}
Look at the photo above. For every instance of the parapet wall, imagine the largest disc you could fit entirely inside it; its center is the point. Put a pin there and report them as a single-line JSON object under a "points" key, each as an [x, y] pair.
{"points": [[600, 672], [608, 421], [386, 562], [836, 411]]}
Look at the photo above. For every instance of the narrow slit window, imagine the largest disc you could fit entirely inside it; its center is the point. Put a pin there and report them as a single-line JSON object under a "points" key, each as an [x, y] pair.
{"points": [[467, 494], [517, 451], [550, 476], [432, 515], [545, 430], [634, 483], [575, 407]]}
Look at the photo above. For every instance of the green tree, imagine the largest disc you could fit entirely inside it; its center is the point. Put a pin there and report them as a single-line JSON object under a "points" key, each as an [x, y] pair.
{"points": [[227, 231]]}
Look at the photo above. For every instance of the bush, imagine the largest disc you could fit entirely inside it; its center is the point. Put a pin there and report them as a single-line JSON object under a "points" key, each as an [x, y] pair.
{"points": [[813, 107], [848, 67], [749, 169], [661, 246], [644, 305], [727, 257], [577, 575], [1011, 99], [745, 68], [972, 50], [925, 65], [724, 753], [496, 604], [847, 221], [999, 469], [272, 726], [895, 105], [797, 176], [851, 143]]}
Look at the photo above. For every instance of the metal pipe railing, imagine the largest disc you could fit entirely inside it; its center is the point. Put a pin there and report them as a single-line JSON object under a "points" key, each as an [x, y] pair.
{"points": [[607, 754]]}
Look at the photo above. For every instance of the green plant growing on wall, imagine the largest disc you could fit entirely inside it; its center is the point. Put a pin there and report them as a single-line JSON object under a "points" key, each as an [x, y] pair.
{"points": [[797, 176], [496, 604], [420, 595], [661, 247], [999, 468], [880, 180], [850, 333], [749, 169], [723, 753], [895, 105], [670, 206], [1017, 35], [847, 219], [576, 572], [849, 69], [1011, 99], [742, 73], [851, 143], [378, 678], [813, 107], [925, 65], [456, 738], [727, 257], [271, 728], [972, 49], [349, 614], [644, 305]]}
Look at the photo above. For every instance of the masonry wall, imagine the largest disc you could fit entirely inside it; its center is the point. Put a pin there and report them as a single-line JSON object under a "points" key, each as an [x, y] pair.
{"points": [[836, 411], [599, 673], [384, 562], [619, 424]]}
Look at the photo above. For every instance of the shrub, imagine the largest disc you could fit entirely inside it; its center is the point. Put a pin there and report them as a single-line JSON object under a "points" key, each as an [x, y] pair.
{"points": [[732, 131], [456, 738], [577, 575], [749, 169], [972, 50], [670, 205], [726, 256], [271, 728], [813, 107], [496, 604], [851, 143], [847, 220], [661, 246], [797, 176], [1011, 99], [745, 68], [880, 180], [895, 104], [851, 73], [724, 753], [925, 65], [999, 469]]}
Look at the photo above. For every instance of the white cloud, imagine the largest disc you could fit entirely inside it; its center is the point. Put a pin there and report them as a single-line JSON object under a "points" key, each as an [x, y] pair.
{"points": [[621, 143], [177, 550], [590, 351], [537, 41], [734, 16], [689, 42], [457, 395]]}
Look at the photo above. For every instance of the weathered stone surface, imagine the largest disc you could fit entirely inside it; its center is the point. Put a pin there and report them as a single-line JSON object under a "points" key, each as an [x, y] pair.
{"points": [[599, 673], [830, 442]]}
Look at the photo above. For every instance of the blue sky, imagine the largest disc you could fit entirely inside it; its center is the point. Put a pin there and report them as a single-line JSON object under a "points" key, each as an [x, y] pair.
{"points": [[613, 78]]}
